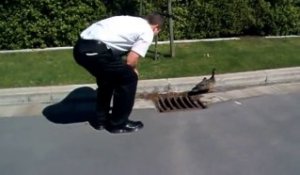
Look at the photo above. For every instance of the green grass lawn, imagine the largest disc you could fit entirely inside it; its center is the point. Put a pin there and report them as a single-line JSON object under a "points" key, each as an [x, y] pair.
{"points": [[226, 56], [58, 67]]}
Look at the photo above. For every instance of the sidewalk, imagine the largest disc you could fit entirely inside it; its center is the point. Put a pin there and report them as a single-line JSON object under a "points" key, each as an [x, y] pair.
{"points": [[228, 86]]}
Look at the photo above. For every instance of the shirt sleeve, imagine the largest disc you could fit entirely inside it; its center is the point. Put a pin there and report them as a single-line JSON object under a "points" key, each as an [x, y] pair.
{"points": [[143, 43]]}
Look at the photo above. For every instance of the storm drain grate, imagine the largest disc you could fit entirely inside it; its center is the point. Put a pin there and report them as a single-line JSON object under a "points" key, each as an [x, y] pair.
{"points": [[175, 102]]}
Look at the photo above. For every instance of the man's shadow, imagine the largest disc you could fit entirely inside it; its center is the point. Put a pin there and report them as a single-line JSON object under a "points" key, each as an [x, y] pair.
{"points": [[78, 106]]}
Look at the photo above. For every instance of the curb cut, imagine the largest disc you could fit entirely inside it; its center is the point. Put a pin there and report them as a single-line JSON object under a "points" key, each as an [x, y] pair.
{"points": [[224, 82]]}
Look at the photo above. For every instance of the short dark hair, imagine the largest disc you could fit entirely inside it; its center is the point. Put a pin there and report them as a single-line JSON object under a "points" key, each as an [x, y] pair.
{"points": [[155, 19]]}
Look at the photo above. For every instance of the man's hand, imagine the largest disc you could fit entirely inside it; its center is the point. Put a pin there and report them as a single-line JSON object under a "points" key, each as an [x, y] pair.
{"points": [[132, 60], [136, 71]]}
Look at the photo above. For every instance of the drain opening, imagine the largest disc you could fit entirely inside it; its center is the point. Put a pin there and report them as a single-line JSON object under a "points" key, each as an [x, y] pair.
{"points": [[172, 102], [191, 99]]}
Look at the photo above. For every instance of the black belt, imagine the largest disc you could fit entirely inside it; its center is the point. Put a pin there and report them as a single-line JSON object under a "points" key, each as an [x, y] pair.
{"points": [[85, 45]]}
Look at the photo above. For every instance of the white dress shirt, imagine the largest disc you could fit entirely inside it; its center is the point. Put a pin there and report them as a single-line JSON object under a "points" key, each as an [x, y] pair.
{"points": [[122, 33]]}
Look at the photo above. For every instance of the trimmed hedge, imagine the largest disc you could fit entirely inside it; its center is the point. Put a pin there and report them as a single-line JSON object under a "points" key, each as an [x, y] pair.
{"points": [[51, 23], [223, 18], [45, 23]]}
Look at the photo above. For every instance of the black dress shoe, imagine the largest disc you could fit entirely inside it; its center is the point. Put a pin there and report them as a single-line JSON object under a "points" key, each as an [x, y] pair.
{"points": [[96, 123], [129, 126]]}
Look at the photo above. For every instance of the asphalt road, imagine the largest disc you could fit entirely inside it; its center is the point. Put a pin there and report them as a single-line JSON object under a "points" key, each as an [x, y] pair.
{"points": [[254, 136]]}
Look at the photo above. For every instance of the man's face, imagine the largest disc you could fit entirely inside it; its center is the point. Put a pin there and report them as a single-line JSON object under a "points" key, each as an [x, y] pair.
{"points": [[156, 29]]}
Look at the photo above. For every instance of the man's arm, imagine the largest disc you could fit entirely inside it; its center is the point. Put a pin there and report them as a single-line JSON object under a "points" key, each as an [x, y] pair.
{"points": [[132, 60]]}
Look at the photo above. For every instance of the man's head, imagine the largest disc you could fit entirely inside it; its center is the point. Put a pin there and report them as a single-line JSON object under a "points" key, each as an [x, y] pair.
{"points": [[156, 22]]}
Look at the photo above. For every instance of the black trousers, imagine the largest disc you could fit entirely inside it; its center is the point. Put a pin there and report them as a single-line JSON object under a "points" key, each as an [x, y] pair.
{"points": [[115, 79]]}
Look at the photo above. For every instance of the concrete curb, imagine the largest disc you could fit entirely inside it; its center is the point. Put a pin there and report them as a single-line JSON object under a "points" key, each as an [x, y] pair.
{"points": [[225, 82]]}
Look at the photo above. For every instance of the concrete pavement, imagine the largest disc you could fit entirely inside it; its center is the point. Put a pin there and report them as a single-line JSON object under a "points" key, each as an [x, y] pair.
{"points": [[253, 136]]}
